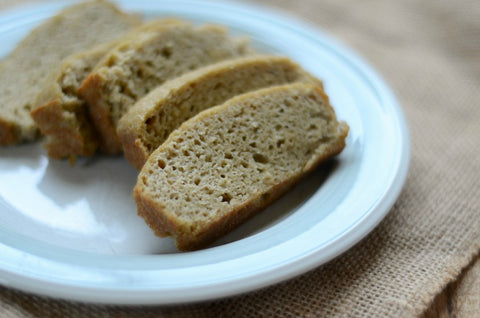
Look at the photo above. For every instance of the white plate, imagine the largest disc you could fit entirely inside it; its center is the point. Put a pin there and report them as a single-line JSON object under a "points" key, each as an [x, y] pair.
{"points": [[73, 232]]}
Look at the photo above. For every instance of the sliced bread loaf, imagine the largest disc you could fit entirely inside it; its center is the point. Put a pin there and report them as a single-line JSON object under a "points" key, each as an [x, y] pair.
{"points": [[230, 161], [149, 122], [135, 67], [23, 72], [61, 115]]}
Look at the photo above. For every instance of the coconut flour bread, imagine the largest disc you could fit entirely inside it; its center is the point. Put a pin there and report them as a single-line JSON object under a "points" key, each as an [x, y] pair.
{"points": [[135, 67], [61, 114], [149, 122], [23, 72], [217, 131], [230, 161]]}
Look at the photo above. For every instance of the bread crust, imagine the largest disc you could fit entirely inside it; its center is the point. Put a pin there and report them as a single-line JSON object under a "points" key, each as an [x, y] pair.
{"points": [[98, 110], [9, 134], [63, 141]]}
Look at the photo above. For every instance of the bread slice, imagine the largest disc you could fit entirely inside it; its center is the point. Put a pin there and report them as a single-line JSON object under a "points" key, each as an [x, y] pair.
{"points": [[149, 122], [61, 115], [137, 66], [23, 72], [230, 161]]}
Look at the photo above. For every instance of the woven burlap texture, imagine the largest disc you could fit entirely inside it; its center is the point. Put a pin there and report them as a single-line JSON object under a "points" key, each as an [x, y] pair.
{"points": [[428, 52]]}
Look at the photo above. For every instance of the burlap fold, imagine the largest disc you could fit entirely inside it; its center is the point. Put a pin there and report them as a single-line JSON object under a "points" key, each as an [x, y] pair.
{"points": [[428, 51]]}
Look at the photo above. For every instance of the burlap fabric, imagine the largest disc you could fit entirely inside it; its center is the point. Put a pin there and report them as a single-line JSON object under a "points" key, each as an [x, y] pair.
{"points": [[429, 53]]}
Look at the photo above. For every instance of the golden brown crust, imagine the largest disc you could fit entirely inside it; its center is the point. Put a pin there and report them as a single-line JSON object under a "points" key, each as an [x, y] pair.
{"points": [[8, 133], [334, 149], [98, 110], [130, 126], [62, 141], [134, 149], [47, 114], [153, 214]]}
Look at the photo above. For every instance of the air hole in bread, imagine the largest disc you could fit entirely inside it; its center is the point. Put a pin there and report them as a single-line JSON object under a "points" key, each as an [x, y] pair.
{"points": [[319, 115], [149, 63], [166, 52], [226, 197], [325, 139], [161, 164], [260, 158], [111, 61]]}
